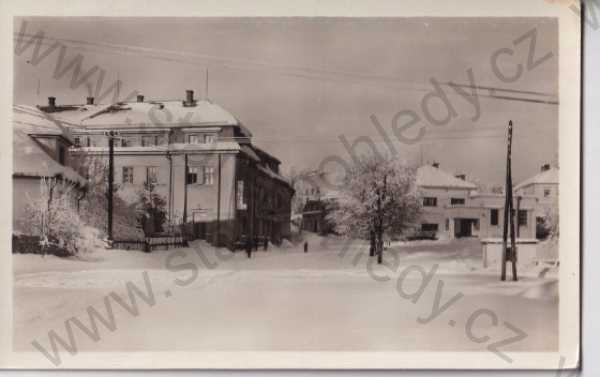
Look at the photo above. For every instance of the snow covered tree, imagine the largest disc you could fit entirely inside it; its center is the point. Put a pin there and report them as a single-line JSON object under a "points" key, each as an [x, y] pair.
{"points": [[551, 221], [53, 217], [152, 211], [93, 207], [380, 197]]}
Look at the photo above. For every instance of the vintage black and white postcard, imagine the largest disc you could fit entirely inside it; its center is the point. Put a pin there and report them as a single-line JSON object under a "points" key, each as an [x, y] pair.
{"points": [[330, 185]]}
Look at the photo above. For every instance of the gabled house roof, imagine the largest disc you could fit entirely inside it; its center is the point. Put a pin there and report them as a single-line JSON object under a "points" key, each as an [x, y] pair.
{"points": [[29, 158], [549, 176], [33, 121], [431, 176]]}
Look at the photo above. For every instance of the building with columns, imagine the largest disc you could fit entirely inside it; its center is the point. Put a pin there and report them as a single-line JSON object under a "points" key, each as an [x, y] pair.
{"points": [[195, 155]]}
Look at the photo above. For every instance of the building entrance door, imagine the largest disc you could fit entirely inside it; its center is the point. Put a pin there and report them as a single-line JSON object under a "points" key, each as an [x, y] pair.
{"points": [[464, 227]]}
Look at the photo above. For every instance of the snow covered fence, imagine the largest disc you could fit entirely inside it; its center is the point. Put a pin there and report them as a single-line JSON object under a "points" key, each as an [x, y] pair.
{"points": [[150, 243]]}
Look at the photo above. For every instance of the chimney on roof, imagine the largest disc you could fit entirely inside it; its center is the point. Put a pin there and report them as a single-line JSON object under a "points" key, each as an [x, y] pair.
{"points": [[90, 100], [435, 164], [545, 167], [461, 176], [189, 98], [52, 102], [140, 98]]}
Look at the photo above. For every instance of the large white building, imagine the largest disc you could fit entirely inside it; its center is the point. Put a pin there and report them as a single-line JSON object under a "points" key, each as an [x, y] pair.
{"points": [[193, 153], [453, 208]]}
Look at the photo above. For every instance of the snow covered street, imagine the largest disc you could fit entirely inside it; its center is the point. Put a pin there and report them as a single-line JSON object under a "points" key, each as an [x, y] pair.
{"points": [[430, 296]]}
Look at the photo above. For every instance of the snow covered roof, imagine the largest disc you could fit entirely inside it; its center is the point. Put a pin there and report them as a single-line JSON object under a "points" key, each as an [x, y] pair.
{"points": [[549, 176], [72, 115], [430, 176], [274, 175], [33, 121], [30, 160], [147, 114], [249, 151]]}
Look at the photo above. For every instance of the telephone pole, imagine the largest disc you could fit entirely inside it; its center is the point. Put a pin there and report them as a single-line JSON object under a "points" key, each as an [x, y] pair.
{"points": [[111, 135], [509, 254], [185, 191]]}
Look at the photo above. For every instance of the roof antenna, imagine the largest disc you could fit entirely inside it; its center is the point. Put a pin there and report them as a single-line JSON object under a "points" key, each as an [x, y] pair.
{"points": [[206, 85], [118, 86]]}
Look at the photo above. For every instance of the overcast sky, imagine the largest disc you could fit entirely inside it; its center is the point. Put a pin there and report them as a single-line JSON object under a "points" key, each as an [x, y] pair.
{"points": [[300, 83]]}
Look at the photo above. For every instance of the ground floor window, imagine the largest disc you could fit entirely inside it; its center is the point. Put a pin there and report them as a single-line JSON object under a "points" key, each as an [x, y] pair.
{"points": [[127, 174], [240, 196], [430, 202], [209, 175], [494, 216], [457, 201], [429, 227], [151, 175], [192, 175], [522, 217]]}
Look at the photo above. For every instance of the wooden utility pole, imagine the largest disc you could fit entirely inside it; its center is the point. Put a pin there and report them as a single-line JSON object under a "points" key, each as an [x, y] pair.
{"points": [[109, 192], [509, 255], [185, 184], [219, 202]]}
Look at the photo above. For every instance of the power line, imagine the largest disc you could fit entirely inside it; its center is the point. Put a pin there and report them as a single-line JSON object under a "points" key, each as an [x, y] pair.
{"points": [[296, 71]]}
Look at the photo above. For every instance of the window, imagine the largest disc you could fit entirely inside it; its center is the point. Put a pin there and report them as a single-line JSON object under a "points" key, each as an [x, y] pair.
{"points": [[523, 217], [192, 175], [209, 175], [457, 201], [201, 139], [61, 155], [429, 202], [151, 175], [127, 174], [161, 140], [240, 198], [494, 216], [546, 193], [447, 224], [127, 141], [77, 141], [429, 227], [148, 141]]}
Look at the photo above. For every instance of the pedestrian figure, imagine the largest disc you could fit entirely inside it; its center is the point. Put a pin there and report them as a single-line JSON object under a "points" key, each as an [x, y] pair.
{"points": [[266, 243], [249, 247], [306, 246]]}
